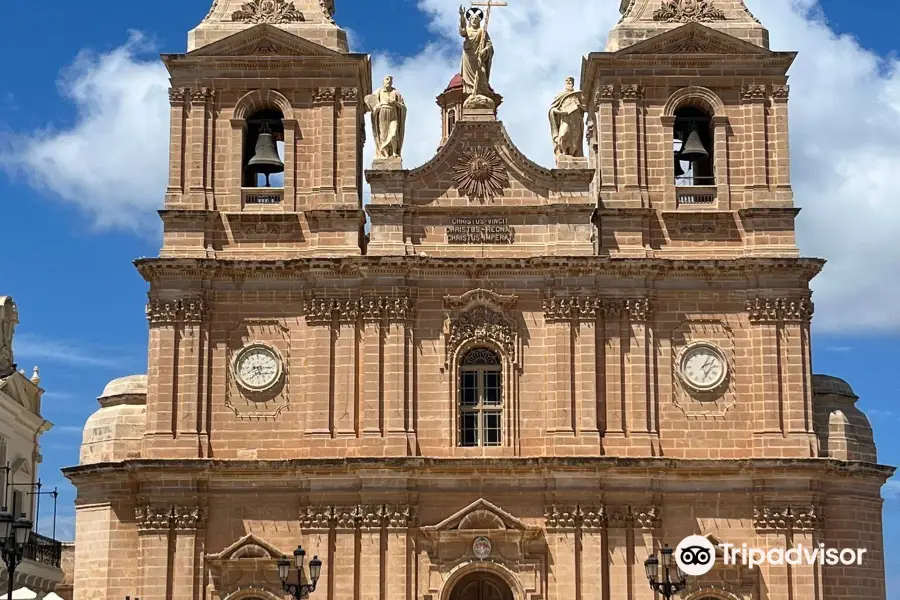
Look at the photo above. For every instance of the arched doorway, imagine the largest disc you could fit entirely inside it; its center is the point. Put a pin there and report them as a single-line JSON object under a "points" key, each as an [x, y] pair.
{"points": [[481, 586]]}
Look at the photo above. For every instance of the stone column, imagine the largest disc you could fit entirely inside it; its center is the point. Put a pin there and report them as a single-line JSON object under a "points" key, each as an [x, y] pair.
{"points": [[628, 146], [645, 539], [586, 378], [398, 312], [754, 143], [316, 524], [592, 563], [620, 551], [154, 527], [346, 570], [346, 370], [766, 335], [192, 377], [780, 159], [614, 398], [639, 382], [197, 147], [235, 168], [721, 166], [562, 527], [371, 557], [606, 137], [163, 316], [291, 161], [187, 571], [372, 369], [324, 150], [177, 126], [347, 156], [320, 335], [396, 569]]}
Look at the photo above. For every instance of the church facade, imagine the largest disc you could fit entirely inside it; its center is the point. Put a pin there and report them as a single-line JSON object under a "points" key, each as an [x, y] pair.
{"points": [[517, 382]]}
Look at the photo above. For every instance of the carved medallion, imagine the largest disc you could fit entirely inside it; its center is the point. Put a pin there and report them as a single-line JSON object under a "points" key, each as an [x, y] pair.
{"points": [[685, 11], [480, 173], [481, 548], [267, 11]]}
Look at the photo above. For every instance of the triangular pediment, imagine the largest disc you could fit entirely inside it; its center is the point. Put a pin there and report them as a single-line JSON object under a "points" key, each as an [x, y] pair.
{"points": [[248, 547], [264, 40], [694, 38], [481, 515], [20, 390]]}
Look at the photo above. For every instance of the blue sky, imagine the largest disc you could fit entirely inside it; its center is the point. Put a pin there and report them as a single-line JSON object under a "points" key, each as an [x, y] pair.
{"points": [[82, 168]]}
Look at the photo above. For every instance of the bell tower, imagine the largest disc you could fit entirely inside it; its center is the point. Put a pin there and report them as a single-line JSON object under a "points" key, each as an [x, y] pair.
{"points": [[266, 135]]}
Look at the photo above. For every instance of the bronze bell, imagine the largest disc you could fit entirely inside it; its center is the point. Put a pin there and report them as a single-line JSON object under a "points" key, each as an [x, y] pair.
{"points": [[265, 161], [693, 149]]}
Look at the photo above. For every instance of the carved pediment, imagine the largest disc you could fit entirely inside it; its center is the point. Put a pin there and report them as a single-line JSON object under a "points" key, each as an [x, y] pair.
{"points": [[248, 548], [497, 302], [481, 515], [694, 38], [264, 40]]}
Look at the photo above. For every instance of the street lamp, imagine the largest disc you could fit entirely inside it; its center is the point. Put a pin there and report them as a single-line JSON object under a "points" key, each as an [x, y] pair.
{"points": [[299, 590], [666, 583], [13, 536]]}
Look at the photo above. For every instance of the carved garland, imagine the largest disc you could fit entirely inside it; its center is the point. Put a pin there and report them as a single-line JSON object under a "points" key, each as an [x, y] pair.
{"points": [[326, 310], [753, 91], [324, 95], [267, 11], [176, 95], [588, 308], [786, 518], [163, 312], [780, 310], [157, 517], [482, 325], [480, 173], [598, 517], [686, 11], [362, 516]]}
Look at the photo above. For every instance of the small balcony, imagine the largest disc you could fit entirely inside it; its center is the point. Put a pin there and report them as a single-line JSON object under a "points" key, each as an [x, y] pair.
{"points": [[41, 566], [697, 196], [44, 550]]}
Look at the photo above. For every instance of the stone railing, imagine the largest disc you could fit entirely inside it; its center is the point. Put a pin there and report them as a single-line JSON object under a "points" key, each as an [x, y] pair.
{"points": [[261, 196]]}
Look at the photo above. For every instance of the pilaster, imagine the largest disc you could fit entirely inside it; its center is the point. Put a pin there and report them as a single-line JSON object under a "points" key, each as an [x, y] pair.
{"points": [[189, 523], [154, 529], [780, 159], [325, 156], [371, 565], [347, 154], [177, 124], [754, 97], [198, 147], [605, 101]]}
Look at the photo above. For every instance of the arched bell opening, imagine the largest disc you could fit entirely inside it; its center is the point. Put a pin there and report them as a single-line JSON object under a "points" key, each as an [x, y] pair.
{"points": [[693, 148], [262, 162]]}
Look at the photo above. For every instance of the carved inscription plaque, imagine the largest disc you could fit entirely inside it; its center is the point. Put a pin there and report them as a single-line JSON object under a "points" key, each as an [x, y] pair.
{"points": [[480, 230]]}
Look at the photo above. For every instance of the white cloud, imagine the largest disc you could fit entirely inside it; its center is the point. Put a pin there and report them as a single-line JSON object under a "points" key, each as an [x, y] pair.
{"points": [[113, 162], [38, 349], [845, 136]]}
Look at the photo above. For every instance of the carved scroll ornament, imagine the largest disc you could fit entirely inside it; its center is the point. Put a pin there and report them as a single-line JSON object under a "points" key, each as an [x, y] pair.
{"points": [[686, 11], [780, 310], [267, 11]]}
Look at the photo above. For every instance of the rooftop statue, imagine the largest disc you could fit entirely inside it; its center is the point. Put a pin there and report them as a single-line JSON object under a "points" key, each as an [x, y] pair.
{"points": [[478, 53], [567, 121], [388, 119]]}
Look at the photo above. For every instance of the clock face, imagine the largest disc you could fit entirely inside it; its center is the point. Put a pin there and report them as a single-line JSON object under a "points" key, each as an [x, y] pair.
{"points": [[257, 367], [703, 367]]}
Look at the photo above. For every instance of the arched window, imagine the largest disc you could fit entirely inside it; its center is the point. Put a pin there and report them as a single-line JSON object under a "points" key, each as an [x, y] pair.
{"points": [[480, 398], [451, 120], [693, 147], [263, 154]]}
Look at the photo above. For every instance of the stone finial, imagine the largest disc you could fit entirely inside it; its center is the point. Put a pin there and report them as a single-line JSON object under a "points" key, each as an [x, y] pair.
{"points": [[643, 19], [9, 318], [310, 19], [36, 376]]}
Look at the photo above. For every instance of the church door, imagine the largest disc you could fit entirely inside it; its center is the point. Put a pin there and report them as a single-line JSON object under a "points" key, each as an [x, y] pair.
{"points": [[481, 587]]}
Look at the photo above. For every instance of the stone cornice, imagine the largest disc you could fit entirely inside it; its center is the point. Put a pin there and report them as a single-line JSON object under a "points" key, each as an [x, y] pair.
{"points": [[589, 308], [167, 312], [383, 308], [161, 517], [781, 309], [749, 468], [360, 516], [154, 269], [777, 517]]}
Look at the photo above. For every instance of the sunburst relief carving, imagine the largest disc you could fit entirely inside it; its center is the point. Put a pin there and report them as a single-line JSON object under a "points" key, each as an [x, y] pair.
{"points": [[267, 11], [480, 173], [684, 11]]}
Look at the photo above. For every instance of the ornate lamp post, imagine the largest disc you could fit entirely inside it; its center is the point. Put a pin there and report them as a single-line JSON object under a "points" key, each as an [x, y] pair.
{"points": [[13, 536], [667, 582], [299, 590]]}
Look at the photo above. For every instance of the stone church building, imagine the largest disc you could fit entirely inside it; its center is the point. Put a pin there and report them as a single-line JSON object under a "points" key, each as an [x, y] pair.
{"points": [[495, 380]]}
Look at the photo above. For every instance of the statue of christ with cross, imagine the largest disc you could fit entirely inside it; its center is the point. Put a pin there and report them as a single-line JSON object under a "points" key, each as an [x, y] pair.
{"points": [[478, 51]]}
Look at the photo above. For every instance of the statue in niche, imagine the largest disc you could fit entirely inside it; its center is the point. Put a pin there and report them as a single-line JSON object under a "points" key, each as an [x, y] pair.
{"points": [[478, 53], [9, 318], [567, 121], [388, 119]]}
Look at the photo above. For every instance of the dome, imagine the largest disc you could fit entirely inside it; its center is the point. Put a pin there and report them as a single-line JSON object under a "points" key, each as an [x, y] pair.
{"points": [[125, 386], [828, 384], [455, 84], [115, 432]]}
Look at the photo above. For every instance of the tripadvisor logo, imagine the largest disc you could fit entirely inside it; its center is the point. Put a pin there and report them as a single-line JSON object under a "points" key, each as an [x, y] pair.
{"points": [[696, 555]]}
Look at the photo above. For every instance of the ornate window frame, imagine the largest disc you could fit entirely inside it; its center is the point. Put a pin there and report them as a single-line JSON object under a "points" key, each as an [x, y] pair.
{"points": [[482, 318]]}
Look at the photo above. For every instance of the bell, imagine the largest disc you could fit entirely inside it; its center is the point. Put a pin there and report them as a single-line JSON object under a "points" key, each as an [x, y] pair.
{"points": [[265, 161], [693, 149], [678, 170]]}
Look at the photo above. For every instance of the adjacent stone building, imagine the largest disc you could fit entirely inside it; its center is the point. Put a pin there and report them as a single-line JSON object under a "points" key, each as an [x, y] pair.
{"points": [[21, 427], [521, 381]]}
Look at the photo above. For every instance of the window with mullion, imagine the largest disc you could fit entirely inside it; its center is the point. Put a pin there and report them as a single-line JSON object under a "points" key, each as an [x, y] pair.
{"points": [[480, 399]]}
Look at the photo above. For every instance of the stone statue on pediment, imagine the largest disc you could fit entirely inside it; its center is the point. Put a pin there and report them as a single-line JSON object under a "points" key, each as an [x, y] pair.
{"points": [[477, 55], [388, 119], [567, 121], [9, 318]]}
